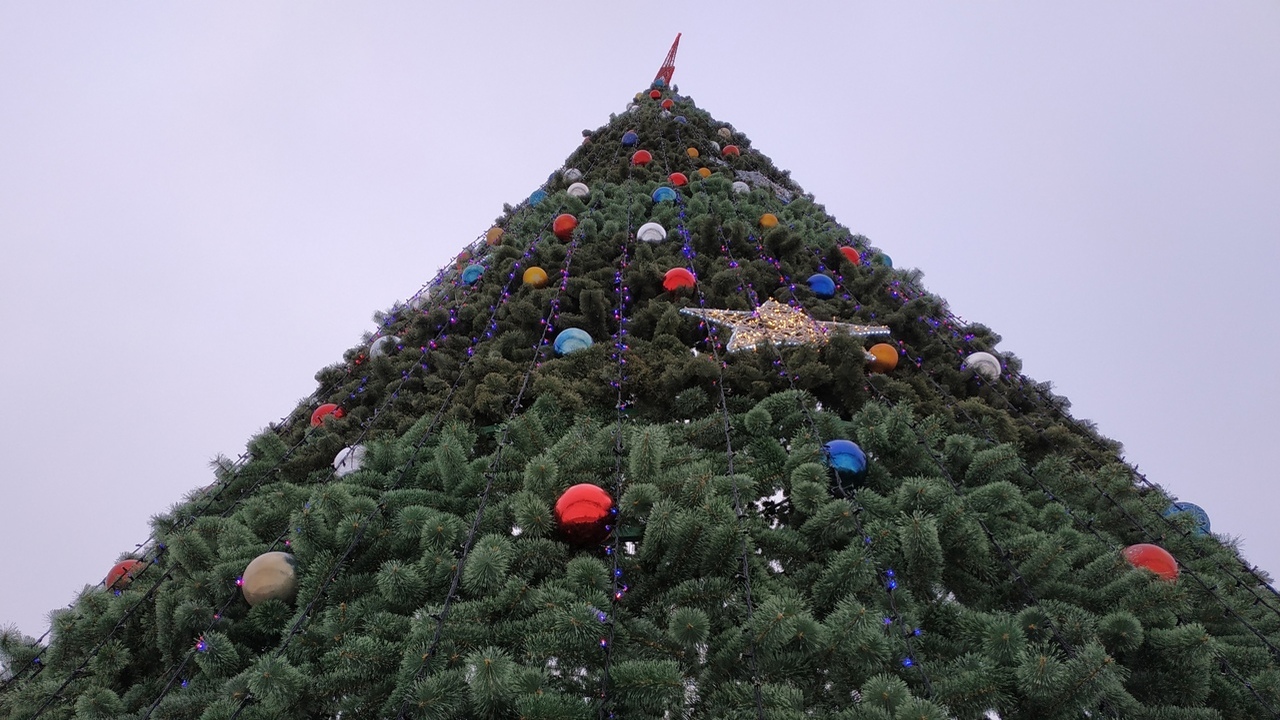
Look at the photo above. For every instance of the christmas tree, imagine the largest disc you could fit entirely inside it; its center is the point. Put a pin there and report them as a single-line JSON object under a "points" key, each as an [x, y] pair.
{"points": [[668, 441]]}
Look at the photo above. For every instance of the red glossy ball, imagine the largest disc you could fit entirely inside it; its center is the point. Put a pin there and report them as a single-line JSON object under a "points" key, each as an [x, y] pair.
{"points": [[642, 157], [1153, 558], [730, 151], [564, 225], [655, 94], [851, 255], [584, 514], [668, 104], [122, 574], [677, 279], [324, 411], [678, 179]]}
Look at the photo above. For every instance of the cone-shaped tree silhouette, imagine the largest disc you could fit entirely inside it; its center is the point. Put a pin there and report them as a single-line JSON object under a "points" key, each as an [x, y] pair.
{"points": [[786, 522]]}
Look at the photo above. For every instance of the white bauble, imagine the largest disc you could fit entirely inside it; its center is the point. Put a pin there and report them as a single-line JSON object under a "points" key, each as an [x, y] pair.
{"points": [[419, 302], [651, 232], [984, 364], [349, 460], [573, 175], [741, 187], [715, 146], [383, 346], [725, 133], [579, 190], [270, 576]]}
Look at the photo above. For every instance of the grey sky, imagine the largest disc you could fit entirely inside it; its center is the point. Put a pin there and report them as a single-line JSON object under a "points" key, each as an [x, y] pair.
{"points": [[202, 204]]}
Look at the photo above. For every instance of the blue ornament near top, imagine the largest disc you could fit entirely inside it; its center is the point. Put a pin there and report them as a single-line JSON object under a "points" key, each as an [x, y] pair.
{"points": [[822, 285], [660, 82], [681, 119], [537, 197], [629, 138], [663, 193], [572, 340], [885, 260], [472, 273], [847, 462], [1196, 512]]}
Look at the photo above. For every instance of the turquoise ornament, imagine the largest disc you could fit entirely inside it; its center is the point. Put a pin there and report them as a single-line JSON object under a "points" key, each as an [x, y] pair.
{"points": [[822, 285], [472, 273], [663, 193], [1196, 512], [848, 463], [885, 260], [537, 197], [572, 340]]}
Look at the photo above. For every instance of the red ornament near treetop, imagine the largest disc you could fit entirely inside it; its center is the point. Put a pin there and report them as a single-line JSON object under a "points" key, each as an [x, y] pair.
{"points": [[678, 179], [730, 151], [655, 94], [584, 514], [641, 157], [122, 573], [325, 411], [1153, 558], [564, 225], [851, 255], [668, 104], [678, 279]]}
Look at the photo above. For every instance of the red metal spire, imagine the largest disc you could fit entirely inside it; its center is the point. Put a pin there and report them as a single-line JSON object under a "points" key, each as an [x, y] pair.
{"points": [[669, 65]]}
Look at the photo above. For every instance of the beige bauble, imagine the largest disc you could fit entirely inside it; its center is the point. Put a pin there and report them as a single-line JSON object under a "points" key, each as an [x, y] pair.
{"points": [[572, 175], [271, 576], [579, 190], [984, 364], [725, 133]]}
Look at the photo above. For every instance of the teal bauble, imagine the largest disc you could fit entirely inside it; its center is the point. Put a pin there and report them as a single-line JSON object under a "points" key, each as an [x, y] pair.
{"points": [[847, 463], [1196, 512], [572, 340]]}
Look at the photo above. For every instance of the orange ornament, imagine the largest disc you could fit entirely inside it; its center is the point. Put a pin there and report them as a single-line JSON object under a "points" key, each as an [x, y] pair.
{"points": [[704, 172], [564, 225], [1153, 558], [730, 151], [325, 411], [668, 104], [494, 236], [122, 573], [692, 152], [535, 277], [655, 94], [677, 279], [641, 157], [768, 220], [851, 255], [886, 358], [678, 179]]}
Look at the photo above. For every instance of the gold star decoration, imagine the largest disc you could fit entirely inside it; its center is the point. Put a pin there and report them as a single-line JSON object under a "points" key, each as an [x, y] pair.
{"points": [[779, 324]]}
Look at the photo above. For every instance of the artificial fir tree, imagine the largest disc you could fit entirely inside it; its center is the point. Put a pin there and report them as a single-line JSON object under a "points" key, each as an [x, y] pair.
{"points": [[667, 441]]}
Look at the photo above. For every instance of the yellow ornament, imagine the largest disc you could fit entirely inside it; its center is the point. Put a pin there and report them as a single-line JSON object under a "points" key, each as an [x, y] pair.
{"points": [[535, 277], [886, 358], [704, 172], [693, 152], [768, 220], [494, 236], [271, 576]]}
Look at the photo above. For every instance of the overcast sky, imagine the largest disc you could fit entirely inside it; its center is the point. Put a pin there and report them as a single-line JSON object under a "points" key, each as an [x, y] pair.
{"points": [[201, 204]]}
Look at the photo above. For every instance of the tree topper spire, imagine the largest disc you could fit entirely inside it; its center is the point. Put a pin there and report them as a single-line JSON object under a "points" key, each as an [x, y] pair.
{"points": [[668, 66]]}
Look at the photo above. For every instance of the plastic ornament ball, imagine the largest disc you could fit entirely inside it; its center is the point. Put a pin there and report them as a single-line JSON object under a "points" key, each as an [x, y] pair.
{"points": [[1153, 558], [463, 259], [651, 232], [535, 277], [419, 302], [725, 133], [704, 172], [768, 220], [632, 107], [730, 151], [572, 175], [655, 94], [664, 114], [715, 146], [349, 460], [471, 274], [681, 119], [678, 279], [572, 340], [884, 260], [584, 514], [851, 254], [564, 225], [630, 138], [659, 82], [383, 346], [984, 364], [537, 197], [822, 285], [740, 187], [678, 179], [847, 462], [494, 236], [270, 576], [692, 152], [579, 190], [668, 104], [663, 193], [641, 157], [324, 411], [1196, 513], [886, 358], [121, 574]]}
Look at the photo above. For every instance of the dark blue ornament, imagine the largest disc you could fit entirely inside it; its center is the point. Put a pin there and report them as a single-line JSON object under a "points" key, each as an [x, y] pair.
{"points": [[537, 197], [847, 462], [1196, 512], [663, 193], [822, 285], [472, 273], [629, 138], [681, 119]]}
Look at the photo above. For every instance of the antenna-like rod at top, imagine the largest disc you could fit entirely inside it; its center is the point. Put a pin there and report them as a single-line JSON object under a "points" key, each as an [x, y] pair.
{"points": [[668, 66]]}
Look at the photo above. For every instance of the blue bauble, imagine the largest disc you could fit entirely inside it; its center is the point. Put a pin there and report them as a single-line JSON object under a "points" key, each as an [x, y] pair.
{"points": [[822, 285], [1195, 511], [663, 193], [629, 138], [848, 462], [472, 273], [572, 340], [681, 119], [884, 260], [660, 82], [537, 197]]}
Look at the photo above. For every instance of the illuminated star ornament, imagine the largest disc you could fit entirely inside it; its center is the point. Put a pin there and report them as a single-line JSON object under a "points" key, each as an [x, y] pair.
{"points": [[779, 324]]}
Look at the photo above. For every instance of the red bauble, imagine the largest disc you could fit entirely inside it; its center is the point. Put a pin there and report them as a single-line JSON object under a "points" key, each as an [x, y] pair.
{"points": [[730, 151], [324, 411], [678, 278], [655, 94], [122, 574], [1153, 558], [584, 514], [668, 104], [642, 157], [851, 255], [678, 179], [564, 225]]}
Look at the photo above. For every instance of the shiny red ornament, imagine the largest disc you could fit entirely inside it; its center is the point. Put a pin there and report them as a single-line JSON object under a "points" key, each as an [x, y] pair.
{"points": [[324, 411], [122, 574], [564, 225], [851, 255], [1153, 558], [678, 279], [642, 157], [730, 151], [584, 514], [668, 104], [655, 94], [678, 179]]}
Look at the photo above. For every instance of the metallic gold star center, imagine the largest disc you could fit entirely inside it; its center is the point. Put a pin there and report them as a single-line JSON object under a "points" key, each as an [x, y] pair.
{"points": [[778, 324]]}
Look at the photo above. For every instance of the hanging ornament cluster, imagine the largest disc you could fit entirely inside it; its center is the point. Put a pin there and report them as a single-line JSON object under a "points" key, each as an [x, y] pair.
{"points": [[564, 225], [651, 232], [471, 274], [822, 285], [984, 364], [883, 358], [1153, 558], [384, 345], [730, 151], [349, 460], [584, 514], [572, 340], [1197, 514], [848, 464], [325, 411], [535, 277], [664, 194], [579, 190], [678, 279], [494, 236], [851, 255], [121, 574], [270, 576], [641, 158]]}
